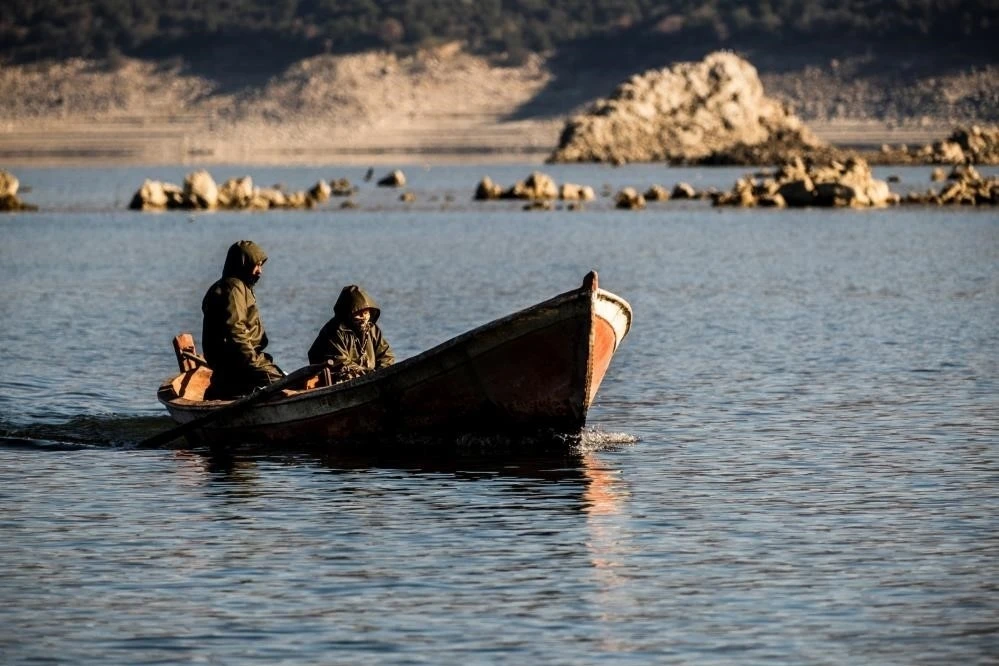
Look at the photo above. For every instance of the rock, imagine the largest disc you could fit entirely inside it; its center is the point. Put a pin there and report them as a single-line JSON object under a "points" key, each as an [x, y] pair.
{"points": [[537, 186], [269, 197], [395, 179], [10, 203], [8, 184], [964, 172], [539, 204], [573, 192], [299, 200], [342, 187], [979, 145], [630, 199], [683, 191], [320, 192], [407, 197], [966, 187], [847, 184], [487, 190], [657, 193], [200, 190], [150, 196], [687, 113], [948, 152], [938, 175], [236, 193]]}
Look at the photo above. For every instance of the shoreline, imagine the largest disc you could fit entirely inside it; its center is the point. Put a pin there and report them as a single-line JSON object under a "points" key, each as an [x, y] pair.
{"points": [[134, 142]]}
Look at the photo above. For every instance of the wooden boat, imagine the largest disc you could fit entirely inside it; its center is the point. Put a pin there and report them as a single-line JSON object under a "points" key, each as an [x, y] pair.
{"points": [[537, 370]]}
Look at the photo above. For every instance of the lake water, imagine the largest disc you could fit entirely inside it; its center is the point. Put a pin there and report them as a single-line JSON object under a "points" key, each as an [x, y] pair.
{"points": [[794, 457]]}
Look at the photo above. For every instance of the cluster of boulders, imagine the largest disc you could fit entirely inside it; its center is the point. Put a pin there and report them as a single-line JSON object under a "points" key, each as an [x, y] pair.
{"points": [[965, 145], [691, 112], [9, 201], [200, 192], [799, 184], [631, 199], [536, 187], [966, 187]]}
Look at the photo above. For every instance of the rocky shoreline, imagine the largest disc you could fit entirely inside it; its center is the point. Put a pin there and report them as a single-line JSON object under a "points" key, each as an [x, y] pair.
{"points": [[440, 105]]}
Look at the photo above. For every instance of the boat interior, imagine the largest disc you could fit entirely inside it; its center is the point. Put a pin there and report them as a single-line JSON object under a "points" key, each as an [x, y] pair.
{"points": [[195, 375]]}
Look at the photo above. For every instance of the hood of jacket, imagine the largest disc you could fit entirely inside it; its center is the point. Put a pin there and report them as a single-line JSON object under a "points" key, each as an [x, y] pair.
{"points": [[353, 299], [241, 258]]}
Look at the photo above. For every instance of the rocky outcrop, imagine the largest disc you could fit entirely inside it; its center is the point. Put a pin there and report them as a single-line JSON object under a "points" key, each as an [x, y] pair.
{"points": [[537, 186], [965, 187], [199, 192], [797, 184], [965, 145], [687, 113]]}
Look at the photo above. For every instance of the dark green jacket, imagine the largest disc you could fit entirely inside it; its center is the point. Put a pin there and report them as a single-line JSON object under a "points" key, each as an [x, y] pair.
{"points": [[233, 336], [349, 352]]}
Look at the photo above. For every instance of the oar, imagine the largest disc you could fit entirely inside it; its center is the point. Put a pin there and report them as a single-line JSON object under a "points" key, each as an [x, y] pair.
{"points": [[233, 408]]}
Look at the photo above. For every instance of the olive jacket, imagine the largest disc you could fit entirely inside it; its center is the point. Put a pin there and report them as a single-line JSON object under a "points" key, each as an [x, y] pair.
{"points": [[233, 335], [351, 353]]}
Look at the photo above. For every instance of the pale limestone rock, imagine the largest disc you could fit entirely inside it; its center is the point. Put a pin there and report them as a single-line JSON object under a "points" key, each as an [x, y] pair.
{"points": [[200, 190]]}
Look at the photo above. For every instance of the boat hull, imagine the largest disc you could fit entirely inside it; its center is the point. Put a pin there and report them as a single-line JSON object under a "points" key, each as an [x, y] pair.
{"points": [[537, 370]]}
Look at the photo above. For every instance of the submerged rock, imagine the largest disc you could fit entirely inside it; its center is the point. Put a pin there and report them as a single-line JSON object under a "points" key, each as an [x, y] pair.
{"points": [[630, 199], [395, 179], [688, 113], [573, 192], [487, 190], [9, 201]]}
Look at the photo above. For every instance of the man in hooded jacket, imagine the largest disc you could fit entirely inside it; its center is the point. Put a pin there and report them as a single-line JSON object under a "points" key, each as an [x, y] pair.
{"points": [[351, 343], [233, 335]]}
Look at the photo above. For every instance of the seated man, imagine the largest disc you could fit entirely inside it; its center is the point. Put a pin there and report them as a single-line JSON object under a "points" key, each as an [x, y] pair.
{"points": [[233, 334], [351, 342]]}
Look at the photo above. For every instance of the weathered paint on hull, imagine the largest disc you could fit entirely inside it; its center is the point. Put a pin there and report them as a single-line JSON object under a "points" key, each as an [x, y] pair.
{"points": [[536, 370]]}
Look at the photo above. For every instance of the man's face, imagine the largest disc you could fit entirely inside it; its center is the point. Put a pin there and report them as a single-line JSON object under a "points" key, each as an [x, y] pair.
{"points": [[255, 273], [362, 320]]}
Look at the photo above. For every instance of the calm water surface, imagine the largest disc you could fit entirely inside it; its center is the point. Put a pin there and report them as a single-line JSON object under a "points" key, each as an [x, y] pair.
{"points": [[793, 458]]}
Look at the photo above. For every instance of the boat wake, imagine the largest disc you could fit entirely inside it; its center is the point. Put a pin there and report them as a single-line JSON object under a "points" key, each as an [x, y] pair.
{"points": [[126, 432], [592, 440], [83, 432]]}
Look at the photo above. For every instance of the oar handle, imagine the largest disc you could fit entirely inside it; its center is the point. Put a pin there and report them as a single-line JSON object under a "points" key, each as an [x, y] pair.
{"points": [[233, 408]]}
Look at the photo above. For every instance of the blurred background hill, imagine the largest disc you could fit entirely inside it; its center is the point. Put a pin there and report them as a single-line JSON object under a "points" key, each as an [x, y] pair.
{"points": [[889, 63]]}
